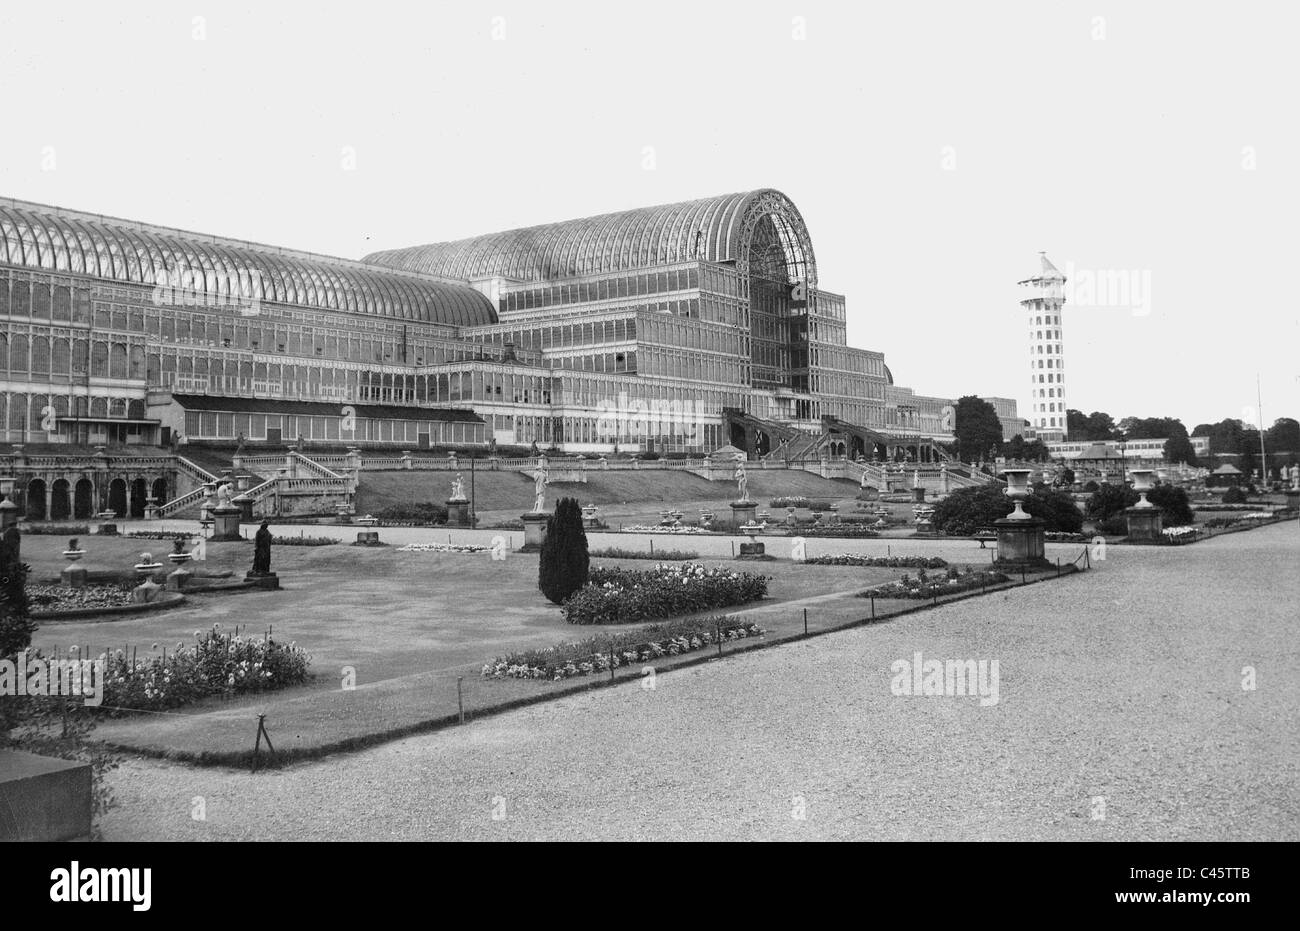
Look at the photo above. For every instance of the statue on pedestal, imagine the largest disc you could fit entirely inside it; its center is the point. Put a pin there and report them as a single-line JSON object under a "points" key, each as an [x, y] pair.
{"points": [[262, 550], [539, 486], [458, 488], [742, 481], [223, 495]]}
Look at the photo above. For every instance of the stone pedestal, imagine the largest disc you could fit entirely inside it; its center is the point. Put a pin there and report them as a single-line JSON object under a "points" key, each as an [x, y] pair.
{"points": [[44, 799], [245, 505], [146, 592], [178, 579], [918, 493], [744, 512], [73, 576], [267, 580], [457, 512], [1144, 524], [1020, 544], [534, 531], [225, 524]]}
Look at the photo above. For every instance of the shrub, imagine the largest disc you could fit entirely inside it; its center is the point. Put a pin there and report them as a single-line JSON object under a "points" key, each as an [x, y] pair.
{"points": [[620, 596], [16, 625], [1057, 510], [1090, 486], [1234, 495], [1175, 508], [967, 510], [421, 512], [564, 562], [1107, 504]]}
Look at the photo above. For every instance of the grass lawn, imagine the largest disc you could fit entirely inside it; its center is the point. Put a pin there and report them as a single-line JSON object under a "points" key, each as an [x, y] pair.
{"points": [[410, 625]]}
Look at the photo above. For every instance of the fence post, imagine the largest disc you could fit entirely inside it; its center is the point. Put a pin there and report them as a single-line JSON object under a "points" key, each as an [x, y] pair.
{"points": [[873, 606], [805, 622], [460, 697]]}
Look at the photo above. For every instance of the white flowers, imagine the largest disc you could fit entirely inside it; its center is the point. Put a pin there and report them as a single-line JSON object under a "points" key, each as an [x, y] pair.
{"points": [[442, 548], [642, 528]]}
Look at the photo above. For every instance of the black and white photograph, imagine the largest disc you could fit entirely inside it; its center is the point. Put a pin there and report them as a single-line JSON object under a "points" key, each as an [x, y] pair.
{"points": [[778, 421]]}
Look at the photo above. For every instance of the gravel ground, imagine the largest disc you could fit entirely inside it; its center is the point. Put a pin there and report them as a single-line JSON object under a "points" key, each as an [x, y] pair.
{"points": [[1124, 683]]}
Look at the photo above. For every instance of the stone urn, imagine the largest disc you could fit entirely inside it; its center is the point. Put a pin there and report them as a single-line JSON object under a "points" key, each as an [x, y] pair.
{"points": [[179, 556], [1017, 491], [146, 566], [1142, 484], [74, 551]]}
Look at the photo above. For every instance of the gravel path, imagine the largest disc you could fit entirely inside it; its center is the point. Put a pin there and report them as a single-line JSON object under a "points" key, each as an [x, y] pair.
{"points": [[1124, 683]]}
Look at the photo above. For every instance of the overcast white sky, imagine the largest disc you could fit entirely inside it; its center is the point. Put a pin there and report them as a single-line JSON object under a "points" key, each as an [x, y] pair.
{"points": [[933, 150]]}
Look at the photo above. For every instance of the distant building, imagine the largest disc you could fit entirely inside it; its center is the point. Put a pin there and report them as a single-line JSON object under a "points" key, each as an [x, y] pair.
{"points": [[680, 327], [1046, 351], [1146, 451]]}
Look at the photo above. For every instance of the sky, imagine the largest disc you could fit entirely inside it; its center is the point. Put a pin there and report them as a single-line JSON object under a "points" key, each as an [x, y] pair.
{"points": [[933, 149]]}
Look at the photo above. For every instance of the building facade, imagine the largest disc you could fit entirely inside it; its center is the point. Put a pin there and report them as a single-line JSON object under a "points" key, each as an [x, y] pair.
{"points": [[657, 328]]}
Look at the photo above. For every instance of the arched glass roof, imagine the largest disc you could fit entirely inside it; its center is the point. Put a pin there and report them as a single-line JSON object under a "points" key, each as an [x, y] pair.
{"points": [[715, 229], [36, 236]]}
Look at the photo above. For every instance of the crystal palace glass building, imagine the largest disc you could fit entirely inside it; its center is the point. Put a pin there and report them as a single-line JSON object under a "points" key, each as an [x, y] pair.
{"points": [[681, 327]]}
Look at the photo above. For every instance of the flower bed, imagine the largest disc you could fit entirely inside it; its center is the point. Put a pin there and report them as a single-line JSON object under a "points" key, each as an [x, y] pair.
{"points": [[442, 548], [304, 541], [43, 598], [1057, 536], [790, 501], [666, 528], [923, 586], [1180, 534], [636, 646], [614, 552], [160, 535], [56, 530], [216, 664], [621, 596], [884, 562], [843, 531]]}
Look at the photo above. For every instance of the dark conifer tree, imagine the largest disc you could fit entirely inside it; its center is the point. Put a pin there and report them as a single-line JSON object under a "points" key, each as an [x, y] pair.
{"points": [[564, 562]]}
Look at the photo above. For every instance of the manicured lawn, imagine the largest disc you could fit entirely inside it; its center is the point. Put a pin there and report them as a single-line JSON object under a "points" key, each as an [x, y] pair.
{"points": [[409, 625]]}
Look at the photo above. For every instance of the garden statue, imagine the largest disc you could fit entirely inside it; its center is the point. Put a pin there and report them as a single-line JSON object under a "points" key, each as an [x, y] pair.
{"points": [[742, 481], [262, 550], [239, 449], [223, 495], [458, 488], [863, 483], [539, 485]]}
